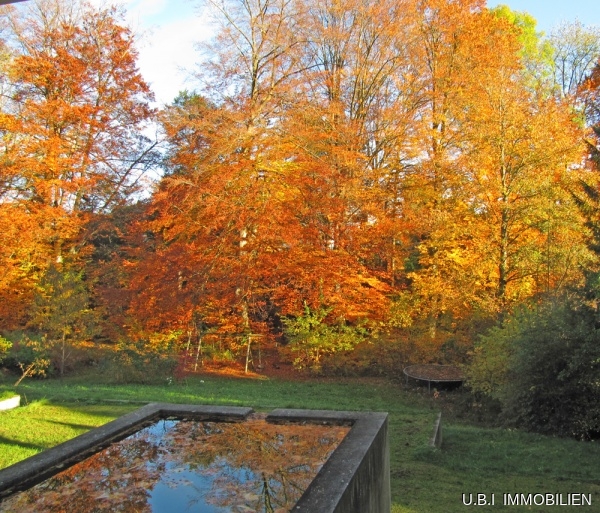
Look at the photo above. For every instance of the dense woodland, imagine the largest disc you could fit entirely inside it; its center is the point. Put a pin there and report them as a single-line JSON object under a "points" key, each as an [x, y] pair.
{"points": [[356, 185]]}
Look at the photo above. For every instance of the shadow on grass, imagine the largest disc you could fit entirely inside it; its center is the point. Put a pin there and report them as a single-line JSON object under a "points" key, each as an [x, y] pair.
{"points": [[86, 427], [106, 411], [24, 445]]}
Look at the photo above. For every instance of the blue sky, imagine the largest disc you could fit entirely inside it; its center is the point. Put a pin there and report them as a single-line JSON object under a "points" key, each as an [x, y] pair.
{"points": [[169, 29], [168, 32]]}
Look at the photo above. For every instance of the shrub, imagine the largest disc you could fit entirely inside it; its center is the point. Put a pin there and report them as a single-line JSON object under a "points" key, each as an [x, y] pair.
{"points": [[27, 354], [311, 338], [489, 369], [62, 313], [543, 364], [144, 361], [5, 346]]}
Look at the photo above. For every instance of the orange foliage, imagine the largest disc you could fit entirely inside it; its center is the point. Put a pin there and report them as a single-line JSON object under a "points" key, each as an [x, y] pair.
{"points": [[355, 166], [386, 159], [70, 138]]}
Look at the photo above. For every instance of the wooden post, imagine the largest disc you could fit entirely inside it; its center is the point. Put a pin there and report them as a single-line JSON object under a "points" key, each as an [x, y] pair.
{"points": [[248, 354], [198, 351]]}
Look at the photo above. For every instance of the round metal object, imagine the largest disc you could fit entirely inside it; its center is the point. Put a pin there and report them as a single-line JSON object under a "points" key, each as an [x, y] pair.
{"points": [[434, 373]]}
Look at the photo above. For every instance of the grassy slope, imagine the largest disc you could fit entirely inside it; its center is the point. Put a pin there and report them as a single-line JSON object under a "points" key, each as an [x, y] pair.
{"points": [[424, 480]]}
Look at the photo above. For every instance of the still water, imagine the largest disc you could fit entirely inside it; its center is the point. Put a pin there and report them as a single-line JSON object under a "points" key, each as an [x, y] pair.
{"points": [[201, 467]]}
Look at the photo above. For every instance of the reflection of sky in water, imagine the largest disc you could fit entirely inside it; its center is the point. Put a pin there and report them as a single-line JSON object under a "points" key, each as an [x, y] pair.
{"points": [[179, 488], [182, 490], [205, 467]]}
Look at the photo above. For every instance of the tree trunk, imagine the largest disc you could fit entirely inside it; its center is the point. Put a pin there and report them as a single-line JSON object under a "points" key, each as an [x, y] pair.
{"points": [[63, 355], [503, 262]]}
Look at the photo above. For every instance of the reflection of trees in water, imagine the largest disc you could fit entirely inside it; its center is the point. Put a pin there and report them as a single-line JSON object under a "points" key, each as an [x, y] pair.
{"points": [[250, 466], [118, 479], [281, 460]]}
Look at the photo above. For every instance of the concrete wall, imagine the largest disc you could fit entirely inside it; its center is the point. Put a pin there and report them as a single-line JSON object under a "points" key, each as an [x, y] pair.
{"points": [[35, 469], [356, 478]]}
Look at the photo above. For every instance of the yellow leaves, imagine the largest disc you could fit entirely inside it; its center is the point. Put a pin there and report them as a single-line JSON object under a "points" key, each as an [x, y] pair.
{"points": [[417, 161], [459, 257]]}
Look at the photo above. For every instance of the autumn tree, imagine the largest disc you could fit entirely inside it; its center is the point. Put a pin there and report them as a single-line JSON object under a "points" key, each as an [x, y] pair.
{"points": [[536, 52], [74, 108], [576, 49], [434, 188], [221, 168], [472, 66], [586, 190], [253, 218], [62, 311], [358, 116], [531, 230], [521, 150]]}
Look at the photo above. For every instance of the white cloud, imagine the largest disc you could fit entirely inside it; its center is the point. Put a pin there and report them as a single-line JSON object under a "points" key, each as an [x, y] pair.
{"points": [[167, 31], [169, 54]]}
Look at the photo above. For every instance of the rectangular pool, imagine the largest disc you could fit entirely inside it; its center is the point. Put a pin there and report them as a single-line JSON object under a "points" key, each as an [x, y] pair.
{"points": [[208, 459]]}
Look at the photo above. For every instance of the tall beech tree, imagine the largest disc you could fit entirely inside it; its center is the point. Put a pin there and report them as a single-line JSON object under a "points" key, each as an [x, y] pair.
{"points": [[282, 238], [361, 96], [492, 222], [521, 149], [586, 191], [71, 124], [236, 247], [530, 228], [576, 49], [536, 52], [436, 193]]}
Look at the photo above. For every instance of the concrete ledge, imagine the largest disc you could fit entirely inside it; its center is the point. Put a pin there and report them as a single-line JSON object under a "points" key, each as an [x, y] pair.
{"points": [[10, 403], [356, 477]]}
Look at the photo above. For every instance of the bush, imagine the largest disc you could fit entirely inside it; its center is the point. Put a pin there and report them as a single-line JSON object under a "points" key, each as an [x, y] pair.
{"points": [[5, 346], [143, 361], [62, 313], [312, 339], [26, 355], [488, 373], [543, 364]]}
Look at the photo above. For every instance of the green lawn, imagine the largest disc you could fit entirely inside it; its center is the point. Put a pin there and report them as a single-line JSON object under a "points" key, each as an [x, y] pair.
{"points": [[424, 480]]}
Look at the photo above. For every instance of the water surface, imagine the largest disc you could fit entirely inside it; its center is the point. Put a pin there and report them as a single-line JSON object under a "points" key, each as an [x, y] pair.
{"points": [[179, 466]]}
